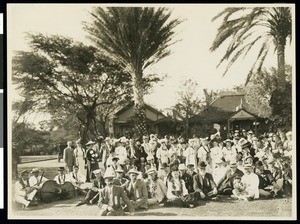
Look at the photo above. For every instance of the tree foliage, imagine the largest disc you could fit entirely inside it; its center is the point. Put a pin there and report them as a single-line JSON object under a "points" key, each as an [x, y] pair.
{"points": [[254, 28], [188, 103], [68, 78], [134, 37]]}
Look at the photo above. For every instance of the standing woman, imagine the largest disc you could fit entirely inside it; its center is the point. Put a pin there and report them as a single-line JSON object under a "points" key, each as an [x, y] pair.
{"points": [[80, 157]]}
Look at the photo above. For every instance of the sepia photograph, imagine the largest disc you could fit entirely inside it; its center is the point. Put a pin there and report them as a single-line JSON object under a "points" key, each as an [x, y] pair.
{"points": [[151, 111]]}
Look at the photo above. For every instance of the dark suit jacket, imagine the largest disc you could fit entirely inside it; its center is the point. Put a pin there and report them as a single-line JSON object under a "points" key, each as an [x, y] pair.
{"points": [[69, 157], [139, 192], [227, 180], [118, 193], [189, 181], [205, 184]]}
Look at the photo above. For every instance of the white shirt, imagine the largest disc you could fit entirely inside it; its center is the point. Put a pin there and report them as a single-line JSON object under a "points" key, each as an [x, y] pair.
{"points": [[202, 153], [33, 180], [251, 182], [190, 154], [121, 153], [163, 154], [74, 177], [61, 179]]}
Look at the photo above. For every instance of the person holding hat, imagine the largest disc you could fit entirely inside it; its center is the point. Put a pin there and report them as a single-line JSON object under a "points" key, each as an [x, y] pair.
{"points": [[204, 184], [157, 190], [225, 184], [69, 157], [92, 195], [268, 187], [137, 191], [61, 177], [112, 196], [92, 159], [24, 194], [250, 183]]}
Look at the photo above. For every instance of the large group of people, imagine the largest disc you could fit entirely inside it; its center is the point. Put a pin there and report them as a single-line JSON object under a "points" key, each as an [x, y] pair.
{"points": [[127, 175]]}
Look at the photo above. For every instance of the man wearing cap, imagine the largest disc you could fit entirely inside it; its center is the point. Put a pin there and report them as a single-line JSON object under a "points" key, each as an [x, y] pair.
{"points": [[92, 195], [92, 158], [250, 182], [36, 179], [204, 184], [110, 197], [187, 176], [225, 184], [69, 157], [137, 191], [267, 184], [24, 194], [157, 190], [61, 177], [120, 180]]}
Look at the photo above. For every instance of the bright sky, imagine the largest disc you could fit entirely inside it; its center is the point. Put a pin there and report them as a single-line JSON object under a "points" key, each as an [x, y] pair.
{"points": [[191, 57]]}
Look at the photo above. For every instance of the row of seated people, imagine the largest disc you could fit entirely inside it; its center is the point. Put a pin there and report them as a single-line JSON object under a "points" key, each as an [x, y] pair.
{"points": [[181, 186]]}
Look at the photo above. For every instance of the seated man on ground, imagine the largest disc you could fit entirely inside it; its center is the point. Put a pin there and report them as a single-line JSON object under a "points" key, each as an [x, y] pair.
{"points": [[157, 190], [268, 187], [120, 180], [78, 180], [111, 197], [225, 184], [92, 195], [24, 194], [247, 188], [137, 191], [36, 180], [204, 184], [61, 177], [187, 176]]}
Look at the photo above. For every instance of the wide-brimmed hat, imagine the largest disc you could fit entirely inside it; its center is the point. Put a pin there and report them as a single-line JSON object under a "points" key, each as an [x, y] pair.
{"points": [[236, 131], [244, 143], [35, 170], [109, 174], [61, 168], [134, 171], [247, 165], [181, 166], [164, 165], [23, 172], [90, 143], [150, 157], [150, 171], [190, 164], [232, 163], [202, 164], [123, 139], [163, 140], [115, 158], [289, 133], [97, 171], [119, 169]]}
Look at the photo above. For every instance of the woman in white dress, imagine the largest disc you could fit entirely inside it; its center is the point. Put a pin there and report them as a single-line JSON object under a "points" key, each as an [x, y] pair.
{"points": [[80, 157]]}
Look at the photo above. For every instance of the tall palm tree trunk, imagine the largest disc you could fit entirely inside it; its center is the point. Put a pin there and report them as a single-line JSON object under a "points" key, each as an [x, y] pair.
{"points": [[281, 64], [139, 106]]}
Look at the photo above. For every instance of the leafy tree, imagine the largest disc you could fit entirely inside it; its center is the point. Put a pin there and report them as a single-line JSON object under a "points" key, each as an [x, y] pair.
{"points": [[68, 78], [188, 103], [252, 28], [135, 37]]}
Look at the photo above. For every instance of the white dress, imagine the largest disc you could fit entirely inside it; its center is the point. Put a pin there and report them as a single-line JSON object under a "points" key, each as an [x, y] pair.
{"points": [[80, 161]]}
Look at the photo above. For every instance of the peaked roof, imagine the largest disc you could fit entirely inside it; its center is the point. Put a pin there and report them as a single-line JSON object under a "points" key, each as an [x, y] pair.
{"points": [[229, 102], [148, 107]]}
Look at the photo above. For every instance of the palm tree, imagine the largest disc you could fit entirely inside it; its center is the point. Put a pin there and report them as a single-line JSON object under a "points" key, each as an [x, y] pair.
{"points": [[135, 37], [259, 28]]}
